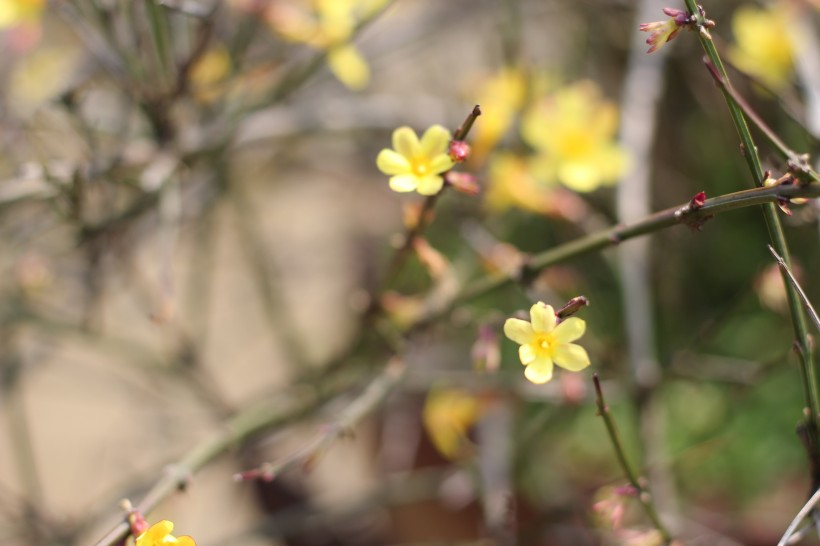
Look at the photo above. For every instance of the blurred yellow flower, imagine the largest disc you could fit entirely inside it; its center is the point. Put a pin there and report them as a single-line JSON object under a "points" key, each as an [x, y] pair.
{"points": [[448, 416], [328, 25], [417, 165], [159, 534], [501, 98], [573, 133], [17, 12], [512, 185], [208, 73], [762, 45], [543, 342]]}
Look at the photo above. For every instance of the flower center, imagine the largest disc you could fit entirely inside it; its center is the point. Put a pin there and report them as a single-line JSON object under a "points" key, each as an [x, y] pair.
{"points": [[543, 344], [420, 167]]}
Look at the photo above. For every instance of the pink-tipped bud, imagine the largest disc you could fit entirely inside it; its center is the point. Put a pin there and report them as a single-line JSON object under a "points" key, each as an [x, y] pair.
{"points": [[698, 201], [463, 182], [137, 522], [459, 150]]}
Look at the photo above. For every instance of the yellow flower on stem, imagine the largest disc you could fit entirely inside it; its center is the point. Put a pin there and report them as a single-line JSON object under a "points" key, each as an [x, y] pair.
{"points": [[573, 133], [545, 342], [159, 534], [417, 165]]}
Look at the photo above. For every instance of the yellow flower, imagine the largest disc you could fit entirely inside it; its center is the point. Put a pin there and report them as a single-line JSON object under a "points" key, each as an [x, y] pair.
{"points": [[328, 25], [17, 12], [159, 534], [448, 416], [573, 132], [763, 48], [512, 185], [501, 98], [209, 72], [417, 165], [543, 343]]}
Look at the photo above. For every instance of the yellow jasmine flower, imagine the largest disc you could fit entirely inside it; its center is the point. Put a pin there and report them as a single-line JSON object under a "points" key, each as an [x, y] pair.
{"points": [[415, 165], [328, 25], [512, 185], [762, 45], [159, 534], [573, 132], [501, 98], [17, 12], [544, 342], [448, 416]]}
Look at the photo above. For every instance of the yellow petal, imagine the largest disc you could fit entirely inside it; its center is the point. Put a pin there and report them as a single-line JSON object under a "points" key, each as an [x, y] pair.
{"points": [[543, 317], [571, 357], [519, 331], [526, 354], [185, 541], [349, 66], [441, 163], [406, 142], [435, 141], [403, 183], [569, 330], [429, 185], [392, 163], [539, 371], [579, 176]]}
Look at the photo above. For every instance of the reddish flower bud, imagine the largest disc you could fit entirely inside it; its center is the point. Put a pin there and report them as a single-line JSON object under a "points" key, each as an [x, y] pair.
{"points": [[698, 201], [463, 182], [459, 150]]}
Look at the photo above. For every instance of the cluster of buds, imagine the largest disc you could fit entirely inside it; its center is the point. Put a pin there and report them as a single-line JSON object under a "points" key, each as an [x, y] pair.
{"points": [[665, 31]]}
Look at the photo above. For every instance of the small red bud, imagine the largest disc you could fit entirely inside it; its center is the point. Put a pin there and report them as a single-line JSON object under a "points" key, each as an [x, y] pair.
{"points": [[459, 150], [698, 200]]}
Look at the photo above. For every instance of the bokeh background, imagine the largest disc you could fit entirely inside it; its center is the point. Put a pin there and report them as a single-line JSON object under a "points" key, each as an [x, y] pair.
{"points": [[192, 221]]}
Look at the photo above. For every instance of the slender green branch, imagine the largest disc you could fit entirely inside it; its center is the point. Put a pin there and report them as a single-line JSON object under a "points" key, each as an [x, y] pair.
{"points": [[685, 214], [803, 297], [638, 483], [800, 161], [245, 425], [348, 418], [778, 239], [158, 21]]}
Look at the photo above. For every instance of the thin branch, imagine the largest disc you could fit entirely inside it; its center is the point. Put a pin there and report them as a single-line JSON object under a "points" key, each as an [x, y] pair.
{"points": [[801, 515], [348, 419], [245, 425], [805, 299], [778, 239], [642, 491], [686, 214], [777, 143]]}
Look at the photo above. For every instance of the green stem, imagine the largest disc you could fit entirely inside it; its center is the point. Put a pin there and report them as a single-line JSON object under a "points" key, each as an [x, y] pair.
{"points": [[685, 214], [158, 21], [644, 495], [778, 240]]}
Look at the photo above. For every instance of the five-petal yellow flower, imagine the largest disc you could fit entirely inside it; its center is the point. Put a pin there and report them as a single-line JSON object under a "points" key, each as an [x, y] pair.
{"points": [[544, 342], [415, 165], [159, 534]]}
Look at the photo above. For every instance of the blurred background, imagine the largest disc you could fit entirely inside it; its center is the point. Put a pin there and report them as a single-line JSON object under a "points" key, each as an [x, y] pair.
{"points": [[193, 224]]}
